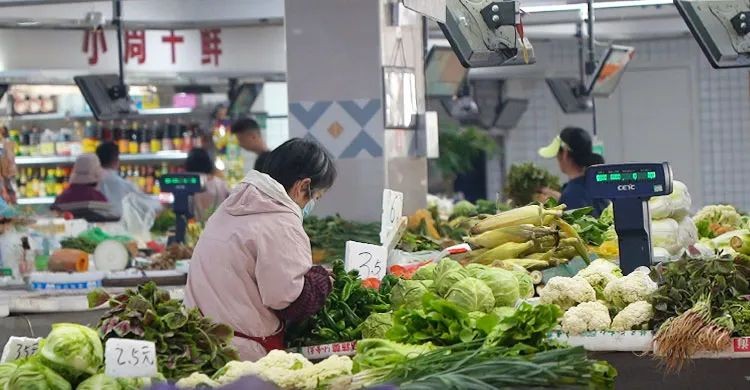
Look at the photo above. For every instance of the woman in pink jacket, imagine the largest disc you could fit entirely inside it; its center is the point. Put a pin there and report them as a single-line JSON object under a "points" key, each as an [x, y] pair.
{"points": [[252, 267]]}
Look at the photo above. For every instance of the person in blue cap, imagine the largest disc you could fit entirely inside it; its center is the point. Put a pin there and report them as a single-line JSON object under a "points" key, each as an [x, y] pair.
{"points": [[574, 153]]}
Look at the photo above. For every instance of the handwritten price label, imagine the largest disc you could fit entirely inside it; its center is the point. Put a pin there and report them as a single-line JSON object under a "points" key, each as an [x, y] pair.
{"points": [[369, 260], [129, 358], [19, 348], [393, 206]]}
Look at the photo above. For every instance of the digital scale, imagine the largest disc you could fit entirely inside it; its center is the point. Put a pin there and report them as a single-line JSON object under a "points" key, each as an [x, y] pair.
{"points": [[182, 186], [629, 187]]}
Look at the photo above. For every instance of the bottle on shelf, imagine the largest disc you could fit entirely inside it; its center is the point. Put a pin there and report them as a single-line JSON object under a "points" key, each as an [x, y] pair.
{"points": [[187, 137], [50, 183], [89, 137], [144, 145], [21, 139], [123, 143], [59, 180], [166, 136], [22, 181], [133, 144], [155, 144], [177, 136], [41, 188], [35, 138], [197, 136]]}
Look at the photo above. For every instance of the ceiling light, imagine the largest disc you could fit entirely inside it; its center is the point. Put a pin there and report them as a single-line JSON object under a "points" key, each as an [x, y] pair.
{"points": [[27, 23], [597, 5]]}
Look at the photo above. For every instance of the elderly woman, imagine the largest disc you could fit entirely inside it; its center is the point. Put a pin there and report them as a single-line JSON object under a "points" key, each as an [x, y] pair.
{"points": [[252, 267], [87, 171]]}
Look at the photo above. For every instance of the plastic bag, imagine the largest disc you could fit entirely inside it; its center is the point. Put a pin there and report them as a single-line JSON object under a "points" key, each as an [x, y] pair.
{"points": [[138, 216]]}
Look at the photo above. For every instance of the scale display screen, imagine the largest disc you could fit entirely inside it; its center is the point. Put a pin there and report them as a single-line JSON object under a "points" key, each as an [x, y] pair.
{"points": [[638, 180], [181, 182]]}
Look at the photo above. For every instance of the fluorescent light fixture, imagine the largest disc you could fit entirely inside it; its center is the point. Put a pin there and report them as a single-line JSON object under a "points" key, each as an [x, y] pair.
{"points": [[597, 5]]}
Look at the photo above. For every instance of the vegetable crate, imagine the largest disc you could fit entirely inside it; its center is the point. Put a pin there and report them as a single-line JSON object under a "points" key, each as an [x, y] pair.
{"points": [[322, 351], [609, 341]]}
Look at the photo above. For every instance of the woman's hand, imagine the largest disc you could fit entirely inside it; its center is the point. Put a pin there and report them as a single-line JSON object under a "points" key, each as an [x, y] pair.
{"points": [[546, 193]]}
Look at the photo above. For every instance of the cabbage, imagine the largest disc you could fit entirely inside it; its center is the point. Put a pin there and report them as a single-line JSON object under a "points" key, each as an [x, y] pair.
{"points": [[425, 272], [447, 273], [525, 285], [139, 383], [608, 215], [672, 235], [408, 293], [99, 382], [687, 233], [72, 350], [464, 208], [675, 205], [32, 375], [375, 326], [475, 268], [472, 294], [6, 370], [503, 284]]}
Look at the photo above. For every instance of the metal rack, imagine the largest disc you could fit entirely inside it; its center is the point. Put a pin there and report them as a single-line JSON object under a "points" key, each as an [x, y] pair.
{"points": [[28, 161]]}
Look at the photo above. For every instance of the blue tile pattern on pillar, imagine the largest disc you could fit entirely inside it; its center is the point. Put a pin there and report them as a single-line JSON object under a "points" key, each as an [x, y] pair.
{"points": [[361, 114], [309, 117], [346, 128], [363, 141]]}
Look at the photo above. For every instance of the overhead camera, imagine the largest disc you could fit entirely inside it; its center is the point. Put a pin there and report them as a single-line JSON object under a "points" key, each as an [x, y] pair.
{"points": [[481, 32]]}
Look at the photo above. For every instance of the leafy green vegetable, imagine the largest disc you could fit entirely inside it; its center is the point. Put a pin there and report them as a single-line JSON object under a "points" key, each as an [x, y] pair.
{"points": [[332, 233], [413, 242], [525, 284], [408, 293], [592, 230], [376, 325], [525, 180], [164, 221], [528, 325], [6, 370], [81, 243], [739, 310], [32, 374], [503, 284], [99, 382], [464, 208], [185, 340], [345, 309], [377, 352], [425, 272], [447, 273], [73, 351], [472, 294]]}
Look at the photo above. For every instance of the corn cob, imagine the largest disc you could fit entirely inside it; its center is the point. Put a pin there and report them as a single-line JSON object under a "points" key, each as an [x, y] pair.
{"points": [[529, 264], [580, 247], [508, 250], [741, 244], [519, 234], [531, 214], [536, 277]]}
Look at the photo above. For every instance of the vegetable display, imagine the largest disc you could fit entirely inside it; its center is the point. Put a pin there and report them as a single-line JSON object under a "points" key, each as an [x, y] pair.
{"points": [[34, 375], [526, 180], [346, 308], [715, 220], [185, 340], [328, 236], [73, 351]]}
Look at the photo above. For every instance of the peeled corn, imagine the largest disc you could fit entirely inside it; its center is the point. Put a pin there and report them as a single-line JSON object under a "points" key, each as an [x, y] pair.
{"points": [[519, 234], [508, 250], [529, 264]]}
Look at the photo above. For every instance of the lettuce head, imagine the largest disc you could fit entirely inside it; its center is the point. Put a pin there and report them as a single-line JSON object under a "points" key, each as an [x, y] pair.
{"points": [[375, 326], [34, 375], [425, 272], [73, 350], [408, 293], [447, 273], [473, 295], [503, 285]]}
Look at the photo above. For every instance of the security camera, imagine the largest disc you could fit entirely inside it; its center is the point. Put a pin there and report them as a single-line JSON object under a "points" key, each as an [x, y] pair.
{"points": [[481, 32]]}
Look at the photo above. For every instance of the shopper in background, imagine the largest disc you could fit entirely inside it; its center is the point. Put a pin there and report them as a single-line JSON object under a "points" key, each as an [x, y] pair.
{"points": [[86, 174], [112, 185], [249, 138], [252, 267], [574, 153], [204, 203]]}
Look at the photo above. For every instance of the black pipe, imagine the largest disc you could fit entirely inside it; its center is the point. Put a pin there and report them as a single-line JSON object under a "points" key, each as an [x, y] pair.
{"points": [[117, 21], [581, 57], [591, 64]]}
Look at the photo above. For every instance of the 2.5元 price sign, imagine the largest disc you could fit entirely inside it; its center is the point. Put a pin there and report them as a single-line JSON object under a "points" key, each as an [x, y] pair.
{"points": [[369, 260], [129, 358], [19, 348]]}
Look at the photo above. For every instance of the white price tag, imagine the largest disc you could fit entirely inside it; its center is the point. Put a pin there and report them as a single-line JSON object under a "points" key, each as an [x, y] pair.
{"points": [[393, 205], [19, 348], [369, 260], [129, 358]]}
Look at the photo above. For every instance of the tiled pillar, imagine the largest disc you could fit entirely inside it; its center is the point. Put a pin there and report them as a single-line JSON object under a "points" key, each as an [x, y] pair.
{"points": [[336, 50]]}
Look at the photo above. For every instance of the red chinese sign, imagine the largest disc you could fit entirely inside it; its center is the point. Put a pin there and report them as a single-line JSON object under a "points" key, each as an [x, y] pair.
{"points": [[135, 45], [92, 41], [210, 45], [741, 344], [173, 39]]}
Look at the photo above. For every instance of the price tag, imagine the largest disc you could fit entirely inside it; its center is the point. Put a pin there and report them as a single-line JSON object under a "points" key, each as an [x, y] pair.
{"points": [[19, 348], [129, 358], [369, 260], [393, 205]]}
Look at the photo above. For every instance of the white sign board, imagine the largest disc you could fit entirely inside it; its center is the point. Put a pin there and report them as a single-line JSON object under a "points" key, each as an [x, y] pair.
{"points": [[19, 348], [129, 358], [393, 205], [369, 260]]}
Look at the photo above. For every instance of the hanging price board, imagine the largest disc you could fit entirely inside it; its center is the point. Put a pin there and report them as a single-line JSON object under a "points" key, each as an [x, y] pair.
{"points": [[129, 358], [18, 348], [393, 205], [369, 260]]}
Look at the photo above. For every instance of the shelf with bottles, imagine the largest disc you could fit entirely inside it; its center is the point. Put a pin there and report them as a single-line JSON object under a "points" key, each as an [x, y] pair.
{"points": [[89, 115], [40, 185], [138, 141]]}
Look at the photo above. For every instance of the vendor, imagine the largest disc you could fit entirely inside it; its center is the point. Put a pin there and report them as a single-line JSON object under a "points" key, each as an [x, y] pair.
{"points": [[86, 174], [204, 203], [252, 267], [251, 140], [573, 150], [112, 185]]}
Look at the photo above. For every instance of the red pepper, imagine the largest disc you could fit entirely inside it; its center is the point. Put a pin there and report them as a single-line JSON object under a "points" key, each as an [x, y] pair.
{"points": [[371, 282]]}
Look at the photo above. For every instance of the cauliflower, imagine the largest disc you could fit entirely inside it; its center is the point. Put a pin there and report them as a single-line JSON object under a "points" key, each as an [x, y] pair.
{"points": [[196, 380], [567, 292], [636, 286], [634, 316], [318, 375], [287, 360], [586, 316], [599, 273], [235, 370], [714, 220]]}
